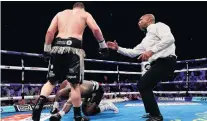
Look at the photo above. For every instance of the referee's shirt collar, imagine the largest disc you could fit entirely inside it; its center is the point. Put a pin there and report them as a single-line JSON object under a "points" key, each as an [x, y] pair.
{"points": [[149, 27]]}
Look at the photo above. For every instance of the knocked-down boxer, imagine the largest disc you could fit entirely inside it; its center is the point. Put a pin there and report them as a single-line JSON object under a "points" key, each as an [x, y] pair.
{"points": [[92, 93]]}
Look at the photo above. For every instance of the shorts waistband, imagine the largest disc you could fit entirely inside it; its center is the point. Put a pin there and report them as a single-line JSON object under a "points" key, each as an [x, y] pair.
{"points": [[68, 42], [170, 57]]}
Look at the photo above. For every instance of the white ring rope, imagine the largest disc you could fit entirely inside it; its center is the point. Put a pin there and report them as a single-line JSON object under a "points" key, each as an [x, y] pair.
{"points": [[121, 84], [89, 71], [196, 69], [89, 60], [101, 71], [113, 93], [197, 81], [93, 60], [46, 69]]}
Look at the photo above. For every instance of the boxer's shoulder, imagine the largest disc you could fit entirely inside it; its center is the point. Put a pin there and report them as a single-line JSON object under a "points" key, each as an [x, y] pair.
{"points": [[88, 14], [161, 24], [63, 12], [67, 10]]}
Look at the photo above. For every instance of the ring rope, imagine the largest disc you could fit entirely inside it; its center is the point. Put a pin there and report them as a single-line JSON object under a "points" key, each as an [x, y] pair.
{"points": [[93, 60], [121, 84], [89, 60], [89, 71], [113, 93], [46, 69]]}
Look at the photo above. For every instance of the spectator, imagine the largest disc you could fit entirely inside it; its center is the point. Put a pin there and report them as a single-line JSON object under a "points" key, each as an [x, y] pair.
{"points": [[6, 89], [192, 77], [31, 90]]}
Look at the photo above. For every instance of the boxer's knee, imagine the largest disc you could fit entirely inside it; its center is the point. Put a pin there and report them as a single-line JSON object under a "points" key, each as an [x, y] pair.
{"points": [[75, 94]]}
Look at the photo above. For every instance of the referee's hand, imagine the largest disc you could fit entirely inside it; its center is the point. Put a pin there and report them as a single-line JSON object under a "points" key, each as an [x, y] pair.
{"points": [[112, 45], [145, 56]]}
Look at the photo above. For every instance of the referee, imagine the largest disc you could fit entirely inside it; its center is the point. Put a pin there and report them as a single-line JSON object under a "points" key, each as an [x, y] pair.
{"points": [[158, 48]]}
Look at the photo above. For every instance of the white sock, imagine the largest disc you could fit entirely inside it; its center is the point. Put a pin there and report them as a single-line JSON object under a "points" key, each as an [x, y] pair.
{"points": [[103, 107], [56, 105], [62, 113]]}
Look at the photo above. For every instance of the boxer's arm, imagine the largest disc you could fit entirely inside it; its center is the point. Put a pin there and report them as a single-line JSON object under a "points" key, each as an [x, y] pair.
{"points": [[67, 106], [64, 84], [103, 50], [51, 30], [139, 49], [166, 38], [94, 27], [63, 92]]}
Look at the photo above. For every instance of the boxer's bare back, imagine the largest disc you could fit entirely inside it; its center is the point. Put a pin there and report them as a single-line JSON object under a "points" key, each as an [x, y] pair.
{"points": [[72, 23]]}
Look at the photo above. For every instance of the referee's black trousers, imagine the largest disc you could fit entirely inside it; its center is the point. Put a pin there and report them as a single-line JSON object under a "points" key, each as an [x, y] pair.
{"points": [[159, 71]]}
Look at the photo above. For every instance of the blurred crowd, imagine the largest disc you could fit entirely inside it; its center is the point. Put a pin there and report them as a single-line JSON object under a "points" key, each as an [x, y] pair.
{"points": [[14, 91], [193, 85]]}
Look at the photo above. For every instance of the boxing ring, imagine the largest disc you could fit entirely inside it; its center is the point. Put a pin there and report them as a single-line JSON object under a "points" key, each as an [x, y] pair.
{"points": [[175, 105]]}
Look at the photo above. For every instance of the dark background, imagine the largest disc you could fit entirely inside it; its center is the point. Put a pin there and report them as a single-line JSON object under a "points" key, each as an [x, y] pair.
{"points": [[24, 25]]}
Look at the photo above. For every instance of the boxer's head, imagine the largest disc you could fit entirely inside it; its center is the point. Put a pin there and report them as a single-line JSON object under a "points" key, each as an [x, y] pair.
{"points": [[145, 21], [79, 5]]}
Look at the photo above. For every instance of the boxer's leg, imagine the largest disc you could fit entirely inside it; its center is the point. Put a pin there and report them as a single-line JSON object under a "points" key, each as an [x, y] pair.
{"points": [[47, 89], [91, 106], [76, 99], [74, 77], [53, 76], [91, 109], [107, 105]]}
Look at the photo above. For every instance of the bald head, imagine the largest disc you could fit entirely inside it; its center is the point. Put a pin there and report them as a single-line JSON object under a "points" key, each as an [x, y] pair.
{"points": [[146, 20], [150, 17]]}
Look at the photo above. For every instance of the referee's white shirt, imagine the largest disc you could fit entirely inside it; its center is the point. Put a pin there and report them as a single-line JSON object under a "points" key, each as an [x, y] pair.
{"points": [[158, 39]]}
